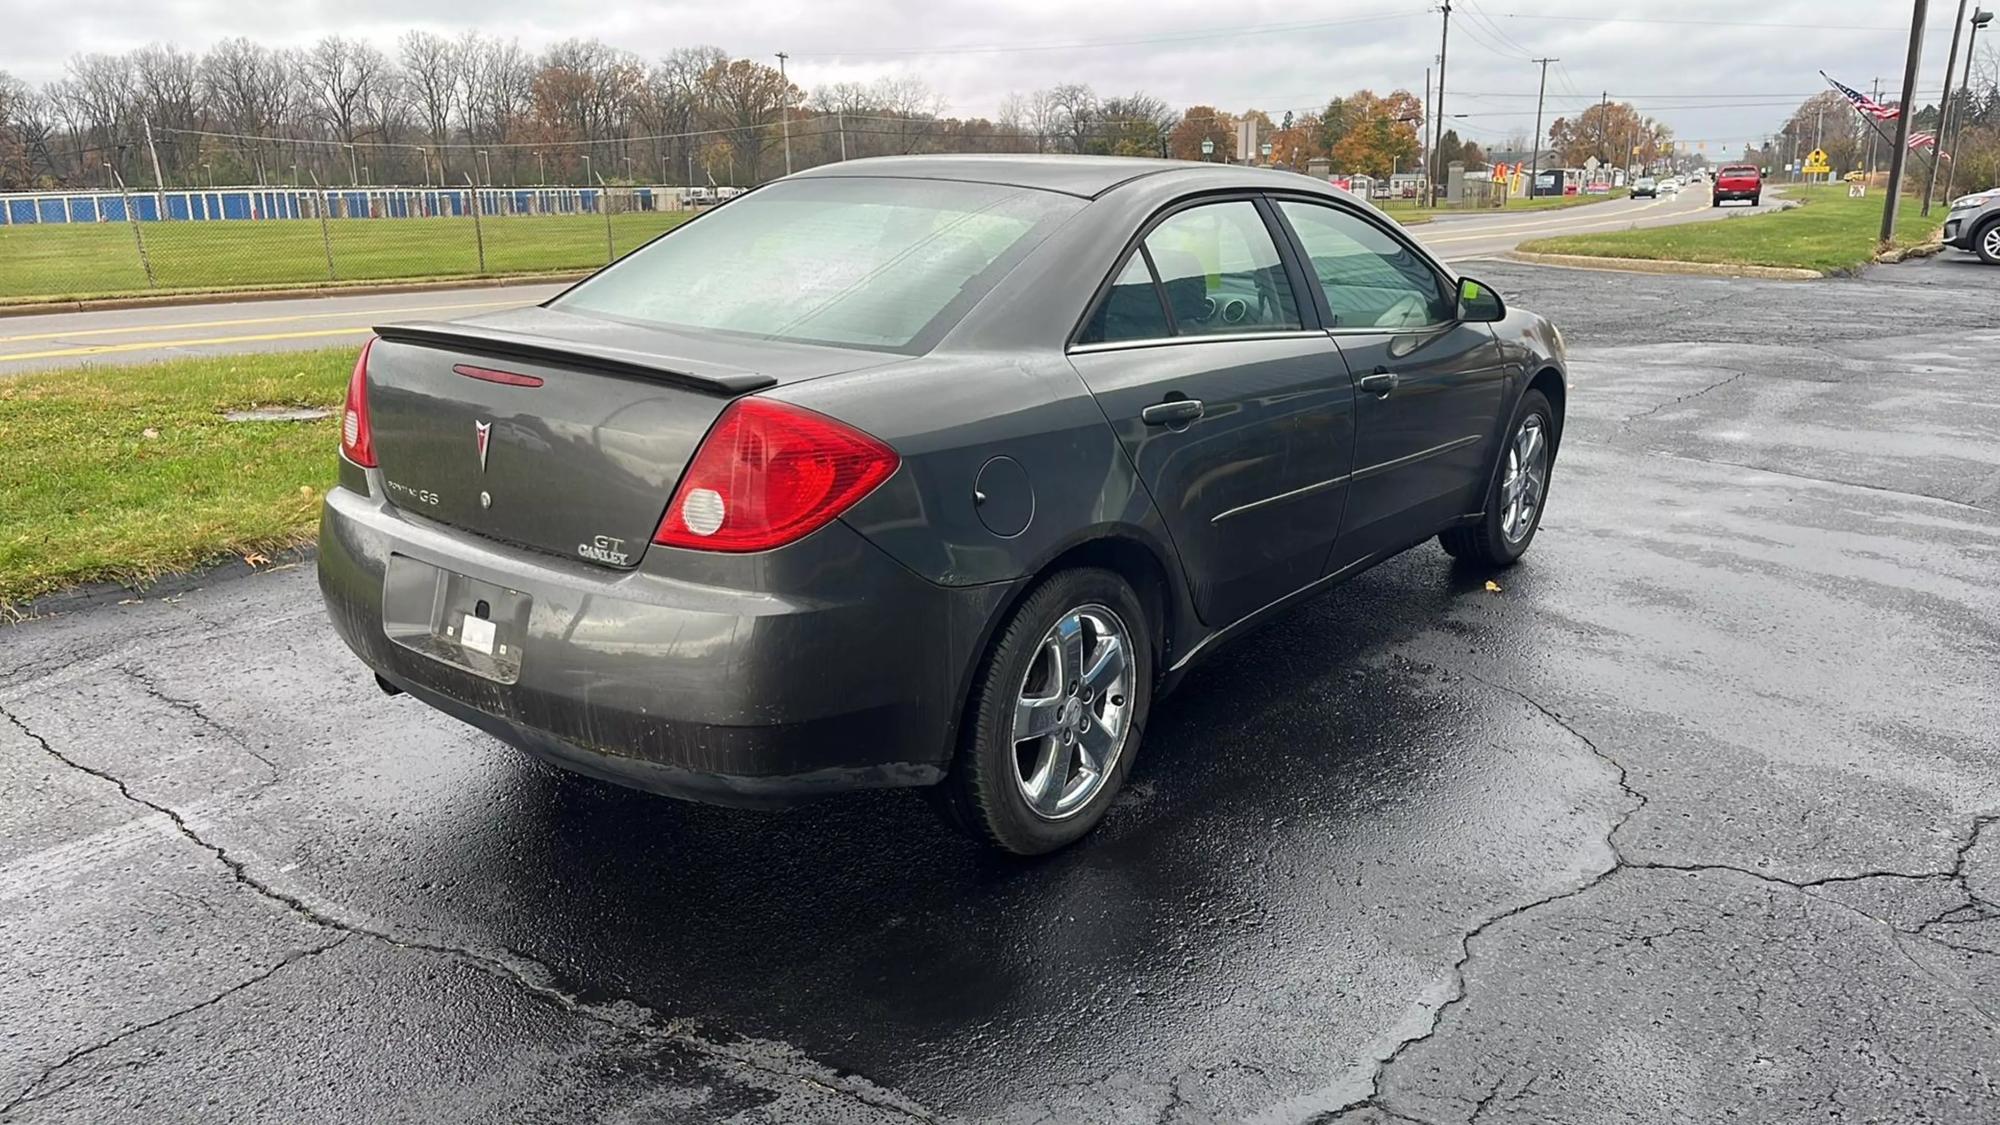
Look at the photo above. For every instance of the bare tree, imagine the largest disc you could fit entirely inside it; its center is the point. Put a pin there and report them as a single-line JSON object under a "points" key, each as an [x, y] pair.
{"points": [[430, 75], [912, 109], [249, 90], [1074, 112], [469, 63], [341, 75]]}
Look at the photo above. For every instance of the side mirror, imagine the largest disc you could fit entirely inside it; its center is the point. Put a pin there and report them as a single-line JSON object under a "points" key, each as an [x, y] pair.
{"points": [[1478, 303]]}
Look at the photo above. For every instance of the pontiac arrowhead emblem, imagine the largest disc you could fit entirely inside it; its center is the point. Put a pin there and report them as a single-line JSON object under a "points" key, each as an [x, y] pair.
{"points": [[484, 432]]}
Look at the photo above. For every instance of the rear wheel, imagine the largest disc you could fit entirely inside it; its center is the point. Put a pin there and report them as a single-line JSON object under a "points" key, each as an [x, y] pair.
{"points": [[1056, 716], [1987, 243], [1520, 487]]}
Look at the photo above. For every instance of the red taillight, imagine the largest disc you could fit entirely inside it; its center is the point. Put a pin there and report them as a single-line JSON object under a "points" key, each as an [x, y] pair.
{"points": [[769, 474], [357, 441]]}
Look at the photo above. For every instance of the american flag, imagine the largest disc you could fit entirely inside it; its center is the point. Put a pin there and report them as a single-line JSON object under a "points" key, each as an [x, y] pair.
{"points": [[1864, 104], [1927, 140]]}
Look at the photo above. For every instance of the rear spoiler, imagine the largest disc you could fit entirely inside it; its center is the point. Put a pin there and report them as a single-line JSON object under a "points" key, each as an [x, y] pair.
{"points": [[572, 353]]}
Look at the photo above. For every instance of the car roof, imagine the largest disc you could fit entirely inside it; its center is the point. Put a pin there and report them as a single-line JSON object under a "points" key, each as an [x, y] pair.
{"points": [[1084, 176]]}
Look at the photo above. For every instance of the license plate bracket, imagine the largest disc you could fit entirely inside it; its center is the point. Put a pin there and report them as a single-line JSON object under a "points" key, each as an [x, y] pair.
{"points": [[463, 621]]}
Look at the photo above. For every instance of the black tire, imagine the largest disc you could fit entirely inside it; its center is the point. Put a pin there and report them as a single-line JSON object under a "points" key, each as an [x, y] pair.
{"points": [[983, 796], [1979, 243], [1715, 201], [1756, 200], [1486, 543]]}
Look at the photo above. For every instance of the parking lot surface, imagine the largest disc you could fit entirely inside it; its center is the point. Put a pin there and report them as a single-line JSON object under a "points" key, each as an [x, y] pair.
{"points": [[1695, 817]]}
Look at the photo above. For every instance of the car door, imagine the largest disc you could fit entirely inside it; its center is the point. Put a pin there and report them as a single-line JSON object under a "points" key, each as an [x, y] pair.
{"points": [[1428, 387], [1233, 405]]}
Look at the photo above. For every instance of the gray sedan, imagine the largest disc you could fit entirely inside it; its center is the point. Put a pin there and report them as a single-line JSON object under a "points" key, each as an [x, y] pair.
{"points": [[923, 471]]}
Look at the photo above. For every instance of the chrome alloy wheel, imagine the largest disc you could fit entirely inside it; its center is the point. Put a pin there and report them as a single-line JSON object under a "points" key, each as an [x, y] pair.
{"points": [[1527, 479], [1073, 712], [1991, 241]]}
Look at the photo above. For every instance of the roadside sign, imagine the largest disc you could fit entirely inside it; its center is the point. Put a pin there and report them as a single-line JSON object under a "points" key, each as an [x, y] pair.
{"points": [[1857, 191], [1817, 165]]}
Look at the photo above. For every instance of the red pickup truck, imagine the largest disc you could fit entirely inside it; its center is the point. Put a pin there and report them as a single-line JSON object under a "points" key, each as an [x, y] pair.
{"points": [[1738, 181]]}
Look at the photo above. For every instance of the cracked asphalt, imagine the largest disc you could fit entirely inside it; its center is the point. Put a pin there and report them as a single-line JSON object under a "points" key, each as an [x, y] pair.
{"points": [[1696, 819]]}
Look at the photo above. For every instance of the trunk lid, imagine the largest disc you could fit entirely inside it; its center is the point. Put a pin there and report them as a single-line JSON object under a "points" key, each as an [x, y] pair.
{"points": [[560, 432]]}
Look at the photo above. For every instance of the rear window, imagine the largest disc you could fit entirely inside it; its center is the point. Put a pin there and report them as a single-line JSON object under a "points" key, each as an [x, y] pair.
{"points": [[883, 264], [1741, 170]]}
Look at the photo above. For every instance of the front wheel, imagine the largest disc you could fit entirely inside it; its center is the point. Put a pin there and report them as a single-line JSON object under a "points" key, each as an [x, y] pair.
{"points": [[1987, 243], [1519, 489], [1056, 716]]}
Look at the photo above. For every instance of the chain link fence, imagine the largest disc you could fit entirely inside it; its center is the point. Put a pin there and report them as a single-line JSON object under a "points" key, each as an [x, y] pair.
{"points": [[121, 242]]}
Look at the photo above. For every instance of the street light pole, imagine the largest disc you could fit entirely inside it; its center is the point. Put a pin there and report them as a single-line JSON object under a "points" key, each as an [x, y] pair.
{"points": [[1901, 147], [1980, 18], [786, 111], [1944, 103]]}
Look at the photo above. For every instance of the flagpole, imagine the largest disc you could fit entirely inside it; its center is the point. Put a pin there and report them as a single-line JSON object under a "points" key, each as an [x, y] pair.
{"points": [[1937, 146]]}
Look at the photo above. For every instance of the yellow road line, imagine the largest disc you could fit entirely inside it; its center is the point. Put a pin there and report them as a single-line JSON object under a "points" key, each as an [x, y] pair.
{"points": [[187, 325], [157, 345]]}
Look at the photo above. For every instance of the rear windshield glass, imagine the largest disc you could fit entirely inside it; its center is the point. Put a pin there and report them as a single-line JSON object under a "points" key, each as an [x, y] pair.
{"points": [[1740, 170], [860, 262]]}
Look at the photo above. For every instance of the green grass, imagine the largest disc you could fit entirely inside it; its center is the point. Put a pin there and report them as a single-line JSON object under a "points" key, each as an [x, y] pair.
{"points": [[89, 495], [1831, 233], [69, 261]]}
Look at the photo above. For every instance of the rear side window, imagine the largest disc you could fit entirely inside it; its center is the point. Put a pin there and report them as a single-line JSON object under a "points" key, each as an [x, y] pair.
{"points": [[1217, 272], [862, 262]]}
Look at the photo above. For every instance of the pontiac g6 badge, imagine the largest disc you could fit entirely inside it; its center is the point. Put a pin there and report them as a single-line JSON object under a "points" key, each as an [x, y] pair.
{"points": [[484, 432]]}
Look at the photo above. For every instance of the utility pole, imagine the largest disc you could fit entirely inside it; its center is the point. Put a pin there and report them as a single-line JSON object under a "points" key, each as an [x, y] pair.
{"points": [[1902, 143], [1423, 138], [787, 111], [1603, 122], [1535, 159], [1877, 95], [1944, 104], [1437, 131]]}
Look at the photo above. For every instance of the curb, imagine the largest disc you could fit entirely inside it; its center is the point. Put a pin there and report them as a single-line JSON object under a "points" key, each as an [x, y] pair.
{"points": [[1905, 253], [1666, 266], [234, 296], [103, 592]]}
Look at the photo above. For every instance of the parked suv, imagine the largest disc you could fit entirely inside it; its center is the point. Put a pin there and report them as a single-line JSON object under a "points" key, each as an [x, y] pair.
{"points": [[1974, 224], [1739, 181]]}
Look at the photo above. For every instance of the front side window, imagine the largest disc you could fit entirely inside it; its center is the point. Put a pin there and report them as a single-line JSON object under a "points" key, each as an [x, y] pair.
{"points": [[1221, 272], [1371, 279], [859, 262]]}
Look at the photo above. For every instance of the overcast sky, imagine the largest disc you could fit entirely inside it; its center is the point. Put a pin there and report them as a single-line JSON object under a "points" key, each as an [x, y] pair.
{"points": [[1719, 71]]}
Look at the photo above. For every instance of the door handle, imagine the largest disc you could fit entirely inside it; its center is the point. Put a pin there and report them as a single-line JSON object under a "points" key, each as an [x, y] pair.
{"points": [[1173, 412], [1381, 382]]}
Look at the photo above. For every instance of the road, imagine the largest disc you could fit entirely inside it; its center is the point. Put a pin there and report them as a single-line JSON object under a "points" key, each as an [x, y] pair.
{"points": [[1695, 818], [133, 335]]}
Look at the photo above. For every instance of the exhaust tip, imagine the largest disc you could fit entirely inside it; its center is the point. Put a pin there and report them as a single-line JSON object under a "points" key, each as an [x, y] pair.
{"points": [[388, 688]]}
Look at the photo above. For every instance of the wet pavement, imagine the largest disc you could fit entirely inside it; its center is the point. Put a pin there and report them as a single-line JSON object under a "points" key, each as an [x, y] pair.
{"points": [[1697, 818]]}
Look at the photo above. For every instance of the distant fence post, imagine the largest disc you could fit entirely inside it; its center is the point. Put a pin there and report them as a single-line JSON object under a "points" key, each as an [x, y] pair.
{"points": [[325, 235], [478, 234], [604, 205], [145, 262]]}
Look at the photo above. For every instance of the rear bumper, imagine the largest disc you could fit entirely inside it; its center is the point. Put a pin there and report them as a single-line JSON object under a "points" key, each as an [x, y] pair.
{"points": [[722, 682], [1749, 193]]}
